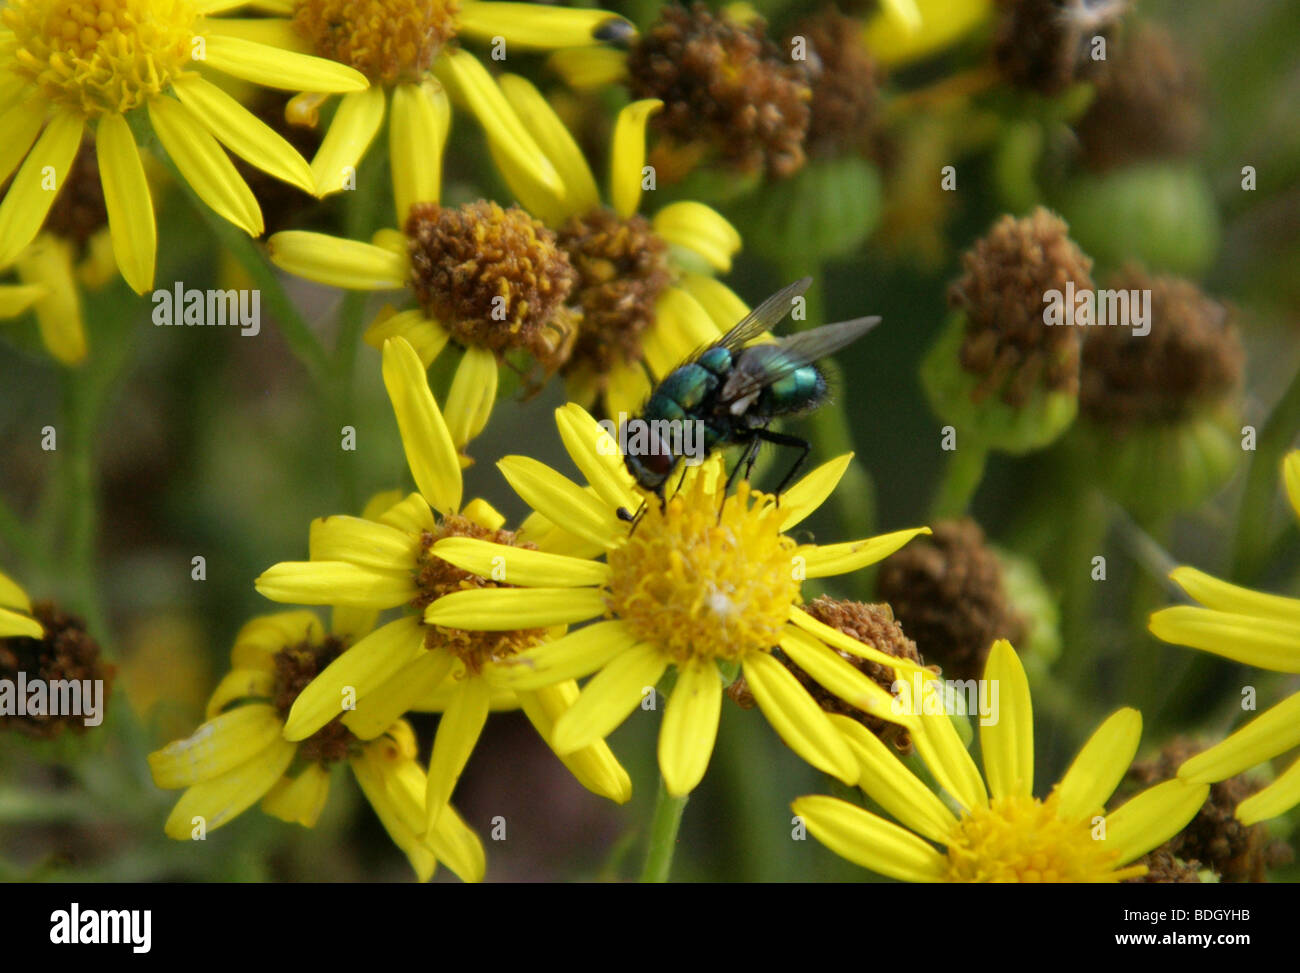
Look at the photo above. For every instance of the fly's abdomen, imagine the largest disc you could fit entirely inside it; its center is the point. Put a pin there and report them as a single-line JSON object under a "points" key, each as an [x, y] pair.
{"points": [[804, 388]]}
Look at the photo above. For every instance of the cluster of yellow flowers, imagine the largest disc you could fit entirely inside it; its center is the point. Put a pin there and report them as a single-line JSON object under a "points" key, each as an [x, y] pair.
{"points": [[436, 605]]}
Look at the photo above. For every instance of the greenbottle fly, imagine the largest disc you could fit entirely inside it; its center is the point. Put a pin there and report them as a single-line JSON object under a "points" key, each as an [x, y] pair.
{"points": [[731, 391]]}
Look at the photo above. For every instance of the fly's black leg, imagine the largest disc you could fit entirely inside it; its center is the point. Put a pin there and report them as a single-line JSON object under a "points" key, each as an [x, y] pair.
{"points": [[747, 461], [781, 439]]}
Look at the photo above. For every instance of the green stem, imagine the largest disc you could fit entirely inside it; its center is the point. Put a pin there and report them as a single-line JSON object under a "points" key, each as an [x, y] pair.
{"points": [[1257, 500], [81, 409], [664, 825], [960, 481], [1086, 524]]}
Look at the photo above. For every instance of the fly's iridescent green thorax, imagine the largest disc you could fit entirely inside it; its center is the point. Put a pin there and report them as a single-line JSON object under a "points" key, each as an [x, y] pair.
{"points": [[732, 390]]}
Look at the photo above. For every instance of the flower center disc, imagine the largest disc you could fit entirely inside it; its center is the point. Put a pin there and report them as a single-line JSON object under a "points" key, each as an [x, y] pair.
{"points": [[493, 277], [386, 40], [295, 667], [101, 56], [436, 577], [1021, 839], [700, 585], [622, 268]]}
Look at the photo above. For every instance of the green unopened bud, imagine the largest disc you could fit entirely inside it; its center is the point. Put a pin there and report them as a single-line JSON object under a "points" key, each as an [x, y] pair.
{"points": [[998, 373], [1161, 213], [827, 210], [1160, 399]]}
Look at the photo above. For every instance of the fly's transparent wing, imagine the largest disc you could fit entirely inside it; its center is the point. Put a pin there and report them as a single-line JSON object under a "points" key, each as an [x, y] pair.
{"points": [[765, 316], [792, 353]]}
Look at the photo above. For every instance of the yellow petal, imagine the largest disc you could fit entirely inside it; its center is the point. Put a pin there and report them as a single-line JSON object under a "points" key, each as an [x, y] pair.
{"points": [[455, 843], [335, 582], [272, 31], [589, 67], [506, 609], [38, 181], [1269, 643], [480, 512], [890, 784], [561, 500], [275, 68], [690, 727], [837, 639], [351, 131], [681, 327], [353, 674], [904, 13], [411, 515], [219, 745], [864, 839], [831, 559], [299, 800], [219, 800], [21, 122], [458, 732], [243, 133], [1274, 800], [608, 699], [126, 197], [595, 452], [240, 684], [580, 193], [801, 723], [340, 263], [430, 452], [427, 337], [628, 389], [362, 542], [260, 638], [577, 654], [13, 623], [417, 132], [595, 767], [204, 165], [627, 156], [1099, 767], [838, 676], [1153, 817], [944, 753], [720, 301], [534, 25], [17, 298], [520, 566], [1273, 732], [1007, 740], [384, 706], [811, 491], [1291, 478], [700, 229], [893, 40], [12, 594], [48, 262], [467, 78], [394, 785], [1233, 599], [472, 395]]}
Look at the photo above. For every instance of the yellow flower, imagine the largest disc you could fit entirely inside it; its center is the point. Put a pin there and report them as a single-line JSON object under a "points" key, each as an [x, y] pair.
{"points": [[240, 756], [73, 251], [897, 37], [406, 48], [700, 582], [644, 287], [16, 612], [1002, 833], [71, 65], [488, 279], [384, 560], [1256, 629]]}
